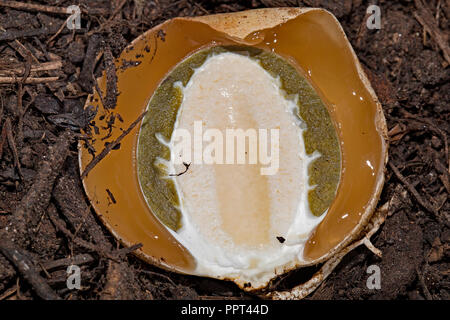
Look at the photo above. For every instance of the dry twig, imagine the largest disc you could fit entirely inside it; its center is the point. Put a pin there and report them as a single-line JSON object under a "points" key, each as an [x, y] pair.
{"points": [[413, 191], [20, 259], [43, 8], [427, 21], [4, 80], [12, 145], [45, 66], [110, 146], [77, 260]]}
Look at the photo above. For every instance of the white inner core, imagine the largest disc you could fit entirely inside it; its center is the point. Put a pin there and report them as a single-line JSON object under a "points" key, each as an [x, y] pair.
{"points": [[231, 214]]}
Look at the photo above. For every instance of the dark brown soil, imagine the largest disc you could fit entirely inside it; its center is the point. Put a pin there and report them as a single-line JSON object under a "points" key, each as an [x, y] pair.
{"points": [[45, 218]]}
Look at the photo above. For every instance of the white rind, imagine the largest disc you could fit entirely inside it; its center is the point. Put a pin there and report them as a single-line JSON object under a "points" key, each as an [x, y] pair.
{"points": [[213, 258]]}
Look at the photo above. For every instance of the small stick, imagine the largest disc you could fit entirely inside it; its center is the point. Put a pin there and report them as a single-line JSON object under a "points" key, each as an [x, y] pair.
{"points": [[198, 5], [77, 213], [8, 293], [45, 66], [57, 32], [20, 48], [99, 91], [110, 19], [426, 292], [2, 140], [78, 228], [186, 168], [48, 9], [219, 298], [5, 80], [158, 275], [425, 18], [413, 190], [33, 7], [11, 35], [26, 267], [116, 11], [59, 224], [78, 260], [438, 10], [19, 135], [12, 145], [127, 250], [110, 146]]}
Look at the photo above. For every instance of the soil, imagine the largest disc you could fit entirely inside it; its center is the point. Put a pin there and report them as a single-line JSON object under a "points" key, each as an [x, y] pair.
{"points": [[46, 222]]}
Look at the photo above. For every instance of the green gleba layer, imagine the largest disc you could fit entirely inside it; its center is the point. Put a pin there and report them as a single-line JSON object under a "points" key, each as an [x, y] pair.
{"points": [[319, 136]]}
